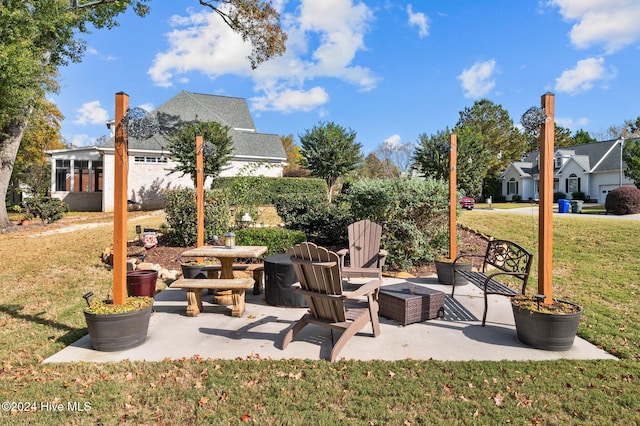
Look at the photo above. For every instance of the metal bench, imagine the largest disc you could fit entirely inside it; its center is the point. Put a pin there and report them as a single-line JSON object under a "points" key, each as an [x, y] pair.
{"points": [[502, 258], [194, 287]]}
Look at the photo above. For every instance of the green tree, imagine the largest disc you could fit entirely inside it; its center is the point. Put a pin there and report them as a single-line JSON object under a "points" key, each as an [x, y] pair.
{"points": [[562, 137], [330, 151], [37, 37], [373, 167], [496, 132], [631, 156], [581, 137], [217, 148], [431, 158]]}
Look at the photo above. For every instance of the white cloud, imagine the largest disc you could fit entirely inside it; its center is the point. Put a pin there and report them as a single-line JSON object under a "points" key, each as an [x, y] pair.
{"points": [[91, 113], [323, 40], [419, 20], [582, 78], [392, 141], [572, 124], [289, 100], [82, 140], [478, 80], [610, 23]]}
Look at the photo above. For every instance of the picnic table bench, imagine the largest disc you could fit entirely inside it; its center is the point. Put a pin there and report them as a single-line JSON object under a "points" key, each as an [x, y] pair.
{"points": [[194, 287], [256, 269], [502, 258]]}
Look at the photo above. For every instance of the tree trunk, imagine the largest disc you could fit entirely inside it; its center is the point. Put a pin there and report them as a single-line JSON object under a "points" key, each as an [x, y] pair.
{"points": [[8, 150]]}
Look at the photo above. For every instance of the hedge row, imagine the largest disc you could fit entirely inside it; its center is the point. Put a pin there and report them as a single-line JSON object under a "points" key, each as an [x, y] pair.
{"points": [[265, 190]]}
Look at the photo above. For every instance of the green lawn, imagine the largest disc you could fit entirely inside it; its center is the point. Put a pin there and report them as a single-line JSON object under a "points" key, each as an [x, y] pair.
{"points": [[43, 279]]}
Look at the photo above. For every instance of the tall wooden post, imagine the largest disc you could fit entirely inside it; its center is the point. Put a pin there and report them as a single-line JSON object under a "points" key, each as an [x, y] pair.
{"points": [[121, 159], [545, 218], [453, 195], [200, 190]]}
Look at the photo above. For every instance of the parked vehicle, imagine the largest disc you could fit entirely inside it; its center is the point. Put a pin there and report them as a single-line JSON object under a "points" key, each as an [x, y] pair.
{"points": [[467, 203]]}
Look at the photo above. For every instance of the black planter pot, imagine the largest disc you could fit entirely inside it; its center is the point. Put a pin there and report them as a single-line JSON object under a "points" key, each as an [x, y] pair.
{"points": [[141, 282], [198, 271], [117, 332], [445, 271], [548, 331]]}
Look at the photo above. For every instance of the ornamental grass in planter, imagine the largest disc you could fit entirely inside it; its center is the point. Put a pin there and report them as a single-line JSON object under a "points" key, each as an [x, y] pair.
{"points": [[548, 326], [118, 327]]}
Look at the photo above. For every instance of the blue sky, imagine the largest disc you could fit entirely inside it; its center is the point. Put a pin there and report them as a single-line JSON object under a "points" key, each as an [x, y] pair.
{"points": [[390, 70]]}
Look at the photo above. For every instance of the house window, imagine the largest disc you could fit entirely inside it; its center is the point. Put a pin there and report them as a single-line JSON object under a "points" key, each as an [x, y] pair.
{"points": [[512, 186], [81, 176], [150, 160], [573, 183], [63, 175], [96, 176]]}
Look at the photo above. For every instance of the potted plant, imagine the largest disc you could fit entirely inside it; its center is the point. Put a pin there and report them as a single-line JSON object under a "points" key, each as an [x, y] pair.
{"points": [[542, 321], [445, 269], [549, 326], [26, 218], [117, 327]]}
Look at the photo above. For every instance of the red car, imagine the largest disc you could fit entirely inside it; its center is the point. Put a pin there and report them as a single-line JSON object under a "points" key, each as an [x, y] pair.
{"points": [[467, 203]]}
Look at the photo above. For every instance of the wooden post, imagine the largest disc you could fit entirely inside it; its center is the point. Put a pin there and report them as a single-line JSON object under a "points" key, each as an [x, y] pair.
{"points": [[453, 195], [545, 218], [121, 159], [200, 191]]}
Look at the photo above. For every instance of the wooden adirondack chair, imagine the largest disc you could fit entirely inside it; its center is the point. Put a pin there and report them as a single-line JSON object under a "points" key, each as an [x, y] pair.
{"points": [[365, 256], [321, 284]]}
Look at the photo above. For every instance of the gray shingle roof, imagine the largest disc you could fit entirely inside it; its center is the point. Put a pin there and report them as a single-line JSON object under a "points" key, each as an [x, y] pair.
{"points": [[233, 112]]}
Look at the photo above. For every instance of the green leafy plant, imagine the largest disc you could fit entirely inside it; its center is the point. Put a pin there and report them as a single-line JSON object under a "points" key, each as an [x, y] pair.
{"points": [[131, 304], [278, 240], [47, 209]]}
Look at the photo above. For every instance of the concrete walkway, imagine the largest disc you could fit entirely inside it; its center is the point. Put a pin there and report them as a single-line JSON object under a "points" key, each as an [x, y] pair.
{"points": [[257, 334]]}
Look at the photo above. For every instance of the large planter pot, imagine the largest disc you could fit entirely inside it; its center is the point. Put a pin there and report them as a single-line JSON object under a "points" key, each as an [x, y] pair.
{"points": [[194, 270], [142, 282], [444, 270], [117, 332], [543, 330]]}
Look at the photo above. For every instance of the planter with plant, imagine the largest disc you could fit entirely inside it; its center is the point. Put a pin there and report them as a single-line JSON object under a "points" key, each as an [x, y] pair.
{"points": [[542, 321], [445, 268], [117, 327]]}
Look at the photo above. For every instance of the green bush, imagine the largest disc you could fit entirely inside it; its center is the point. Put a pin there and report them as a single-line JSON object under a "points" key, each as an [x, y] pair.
{"points": [[414, 214], [623, 200], [558, 195], [182, 216], [516, 198], [47, 209], [578, 195], [277, 239]]}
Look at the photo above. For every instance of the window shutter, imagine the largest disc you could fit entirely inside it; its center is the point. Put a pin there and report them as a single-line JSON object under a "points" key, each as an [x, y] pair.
{"points": [[579, 184], [566, 185]]}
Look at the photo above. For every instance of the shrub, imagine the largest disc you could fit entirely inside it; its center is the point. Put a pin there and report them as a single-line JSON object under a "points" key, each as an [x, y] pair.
{"points": [[413, 214], [578, 195], [558, 195], [623, 200], [47, 209], [267, 190], [516, 198], [182, 215], [277, 239]]}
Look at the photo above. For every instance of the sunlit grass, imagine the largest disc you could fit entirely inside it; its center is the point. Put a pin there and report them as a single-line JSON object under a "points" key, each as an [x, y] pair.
{"points": [[43, 279]]}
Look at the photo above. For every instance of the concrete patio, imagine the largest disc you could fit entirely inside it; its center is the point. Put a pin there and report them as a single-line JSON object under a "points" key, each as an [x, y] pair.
{"points": [[257, 334]]}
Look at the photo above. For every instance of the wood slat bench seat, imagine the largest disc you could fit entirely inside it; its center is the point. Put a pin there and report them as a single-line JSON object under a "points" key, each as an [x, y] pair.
{"points": [[194, 288], [256, 269], [502, 258]]}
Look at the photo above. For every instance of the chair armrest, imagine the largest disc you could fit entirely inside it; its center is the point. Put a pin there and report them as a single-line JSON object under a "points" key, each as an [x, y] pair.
{"points": [[382, 256], [295, 288], [342, 254], [368, 288]]}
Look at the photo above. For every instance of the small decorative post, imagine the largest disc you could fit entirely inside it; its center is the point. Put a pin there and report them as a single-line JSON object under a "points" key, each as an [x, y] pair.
{"points": [[121, 160], [453, 204], [200, 190]]}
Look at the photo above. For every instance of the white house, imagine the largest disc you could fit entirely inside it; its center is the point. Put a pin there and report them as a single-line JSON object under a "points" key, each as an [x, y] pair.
{"points": [[84, 177], [593, 168]]}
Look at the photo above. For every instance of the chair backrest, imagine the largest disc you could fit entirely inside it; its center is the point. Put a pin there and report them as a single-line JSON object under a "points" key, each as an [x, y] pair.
{"points": [[509, 257], [318, 271], [364, 244]]}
